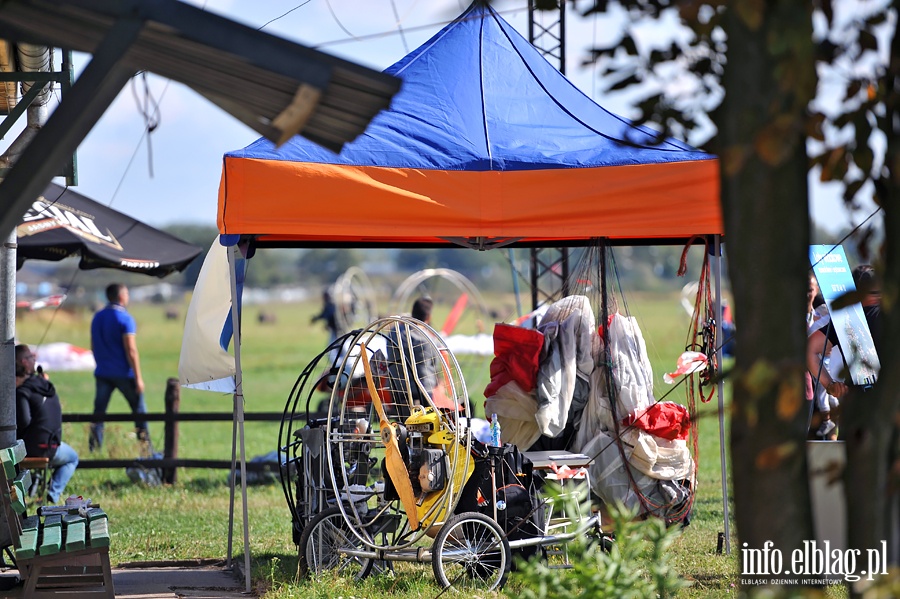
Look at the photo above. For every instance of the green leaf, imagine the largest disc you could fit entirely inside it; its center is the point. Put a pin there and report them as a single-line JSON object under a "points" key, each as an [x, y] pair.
{"points": [[851, 189], [848, 299], [854, 86], [834, 165], [751, 12], [703, 66], [598, 6], [864, 158], [843, 119], [876, 19], [628, 81], [628, 45], [771, 457], [761, 378], [827, 10], [826, 51], [814, 124], [867, 41], [608, 51]]}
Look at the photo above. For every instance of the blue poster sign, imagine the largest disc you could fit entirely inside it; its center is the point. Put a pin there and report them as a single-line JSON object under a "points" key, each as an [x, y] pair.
{"points": [[834, 276]]}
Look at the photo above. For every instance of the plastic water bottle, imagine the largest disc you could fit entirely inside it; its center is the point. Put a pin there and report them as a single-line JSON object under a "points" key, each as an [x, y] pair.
{"points": [[495, 431]]}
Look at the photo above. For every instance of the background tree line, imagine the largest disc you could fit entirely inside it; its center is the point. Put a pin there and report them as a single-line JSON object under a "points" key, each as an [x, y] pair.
{"points": [[643, 268]]}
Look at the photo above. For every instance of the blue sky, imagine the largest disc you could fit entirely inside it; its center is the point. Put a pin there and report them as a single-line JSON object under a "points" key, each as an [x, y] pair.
{"points": [[185, 150]]}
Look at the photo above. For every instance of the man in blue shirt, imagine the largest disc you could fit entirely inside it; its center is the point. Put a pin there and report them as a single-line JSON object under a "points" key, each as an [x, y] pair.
{"points": [[114, 343]]}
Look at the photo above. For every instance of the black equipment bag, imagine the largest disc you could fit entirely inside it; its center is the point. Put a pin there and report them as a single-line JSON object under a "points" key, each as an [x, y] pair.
{"points": [[508, 471]]}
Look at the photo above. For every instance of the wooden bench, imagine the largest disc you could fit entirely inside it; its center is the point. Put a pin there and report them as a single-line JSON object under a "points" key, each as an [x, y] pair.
{"points": [[58, 555], [40, 475]]}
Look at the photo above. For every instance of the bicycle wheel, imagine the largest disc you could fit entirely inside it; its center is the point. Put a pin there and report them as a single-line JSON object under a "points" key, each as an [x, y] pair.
{"points": [[323, 546], [470, 553]]}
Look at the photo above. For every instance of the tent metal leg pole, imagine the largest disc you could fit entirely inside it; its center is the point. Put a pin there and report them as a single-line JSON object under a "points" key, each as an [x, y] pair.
{"points": [[231, 482], [515, 278], [240, 401], [239, 406], [232, 278], [8, 341], [720, 392]]}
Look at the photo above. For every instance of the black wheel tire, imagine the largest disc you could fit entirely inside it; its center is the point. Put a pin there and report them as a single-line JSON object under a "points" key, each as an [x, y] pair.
{"points": [[321, 543], [471, 553]]}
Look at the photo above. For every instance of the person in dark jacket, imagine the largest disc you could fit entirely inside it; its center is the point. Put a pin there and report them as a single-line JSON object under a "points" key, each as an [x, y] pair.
{"points": [[39, 422], [413, 361], [328, 315]]}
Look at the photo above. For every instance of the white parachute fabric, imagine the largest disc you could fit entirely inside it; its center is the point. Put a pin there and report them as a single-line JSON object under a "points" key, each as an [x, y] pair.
{"points": [[567, 361], [205, 363], [515, 410], [656, 463], [631, 370]]}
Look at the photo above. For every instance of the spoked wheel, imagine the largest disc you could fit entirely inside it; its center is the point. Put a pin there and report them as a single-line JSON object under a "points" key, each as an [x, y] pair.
{"points": [[324, 544], [470, 553]]}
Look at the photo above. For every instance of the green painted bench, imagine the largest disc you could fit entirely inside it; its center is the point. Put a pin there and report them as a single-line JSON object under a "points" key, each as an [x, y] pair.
{"points": [[63, 553]]}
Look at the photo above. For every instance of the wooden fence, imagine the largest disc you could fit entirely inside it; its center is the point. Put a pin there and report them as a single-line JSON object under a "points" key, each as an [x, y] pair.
{"points": [[172, 416]]}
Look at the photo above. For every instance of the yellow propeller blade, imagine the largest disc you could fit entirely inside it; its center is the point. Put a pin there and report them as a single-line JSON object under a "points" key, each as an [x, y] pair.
{"points": [[393, 458]]}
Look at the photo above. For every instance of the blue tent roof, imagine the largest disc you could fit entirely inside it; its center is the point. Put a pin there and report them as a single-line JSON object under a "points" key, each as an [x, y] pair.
{"points": [[485, 140], [479, 97]]}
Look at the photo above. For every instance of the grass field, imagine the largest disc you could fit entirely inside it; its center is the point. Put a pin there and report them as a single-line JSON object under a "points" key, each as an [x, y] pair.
{"points": [[189, 519]]}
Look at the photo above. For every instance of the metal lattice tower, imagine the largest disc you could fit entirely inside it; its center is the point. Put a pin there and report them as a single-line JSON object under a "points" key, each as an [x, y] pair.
{"points": [[20, 89], [547, 33]]}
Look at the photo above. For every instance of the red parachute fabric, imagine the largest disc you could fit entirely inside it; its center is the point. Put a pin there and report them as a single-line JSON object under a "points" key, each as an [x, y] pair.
{"points": [[517, 353], [665, 419]]}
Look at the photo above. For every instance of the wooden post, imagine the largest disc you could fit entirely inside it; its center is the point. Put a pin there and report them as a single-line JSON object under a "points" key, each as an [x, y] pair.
{"points": [[170, 443]]}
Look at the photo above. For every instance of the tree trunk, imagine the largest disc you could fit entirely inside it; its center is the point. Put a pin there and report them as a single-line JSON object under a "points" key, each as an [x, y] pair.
{"points": [[869, 419], [761, 144]]}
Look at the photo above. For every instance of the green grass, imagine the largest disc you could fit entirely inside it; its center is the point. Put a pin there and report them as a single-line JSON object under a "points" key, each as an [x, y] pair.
{"points": [[189, 520]]}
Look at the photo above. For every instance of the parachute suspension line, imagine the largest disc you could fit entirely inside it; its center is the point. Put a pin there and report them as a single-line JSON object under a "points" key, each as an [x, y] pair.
{"points": [[704, 327], [595, 275], [646, 504], [610, 381], [702, 335], [586, 273], [607, 266]]}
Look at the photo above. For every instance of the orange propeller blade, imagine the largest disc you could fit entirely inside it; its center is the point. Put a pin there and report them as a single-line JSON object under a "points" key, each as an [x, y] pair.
{"points": [[400, 478], [373, 391], [394, 460]]}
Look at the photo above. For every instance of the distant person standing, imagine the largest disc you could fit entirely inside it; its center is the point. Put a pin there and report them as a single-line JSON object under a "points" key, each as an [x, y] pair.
{"points": [[329, 315], [817, 310], [821, 341], [39, 423], [114, 343], [413, 361]]}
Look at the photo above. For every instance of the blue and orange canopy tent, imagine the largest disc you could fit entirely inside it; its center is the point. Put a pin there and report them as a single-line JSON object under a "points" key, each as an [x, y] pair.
{"points": [[485, 144]]}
